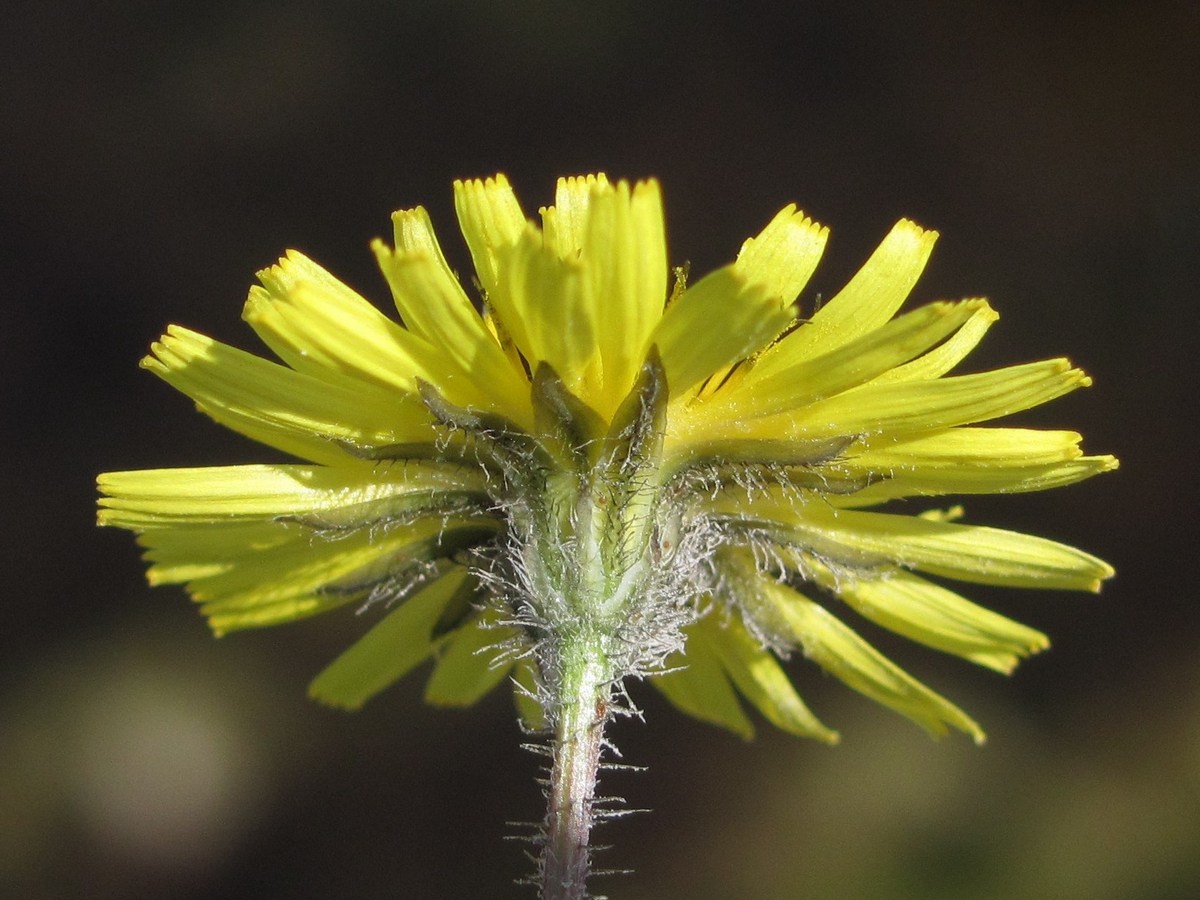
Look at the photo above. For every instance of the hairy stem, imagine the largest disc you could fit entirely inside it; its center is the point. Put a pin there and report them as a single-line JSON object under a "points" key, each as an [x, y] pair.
{"points": [[582, 693]]}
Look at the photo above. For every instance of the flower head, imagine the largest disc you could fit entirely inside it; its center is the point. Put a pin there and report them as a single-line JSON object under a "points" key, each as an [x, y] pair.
{"points": [[685, 475]]}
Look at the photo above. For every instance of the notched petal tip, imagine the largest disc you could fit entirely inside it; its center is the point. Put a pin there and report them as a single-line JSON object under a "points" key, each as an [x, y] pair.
{"points": [[412, 226], [783, 256], [487, 182], [648, 187], [581, 185], [907, 228]]}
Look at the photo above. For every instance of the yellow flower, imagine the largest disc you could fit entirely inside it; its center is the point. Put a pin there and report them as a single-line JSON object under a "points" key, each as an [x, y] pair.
{"points": [[675, 475]]}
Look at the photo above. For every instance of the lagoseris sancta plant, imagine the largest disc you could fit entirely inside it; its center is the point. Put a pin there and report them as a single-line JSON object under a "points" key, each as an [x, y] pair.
{"points": [[590, 468]]}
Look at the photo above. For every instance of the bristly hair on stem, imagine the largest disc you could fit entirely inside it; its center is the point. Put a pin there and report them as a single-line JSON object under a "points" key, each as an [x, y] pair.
{"points": [[577, 747], [578, 721]]}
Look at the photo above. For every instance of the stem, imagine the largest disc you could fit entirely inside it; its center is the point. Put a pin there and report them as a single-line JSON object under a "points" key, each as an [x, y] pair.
{"points": [[582, 709]]}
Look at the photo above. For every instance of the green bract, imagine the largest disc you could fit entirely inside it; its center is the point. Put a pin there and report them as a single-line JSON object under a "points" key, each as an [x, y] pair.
{"points": [[599, 471]]}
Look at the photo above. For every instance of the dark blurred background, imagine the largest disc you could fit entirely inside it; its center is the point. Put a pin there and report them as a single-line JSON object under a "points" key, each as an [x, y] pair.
{"points": [[155, 155]]}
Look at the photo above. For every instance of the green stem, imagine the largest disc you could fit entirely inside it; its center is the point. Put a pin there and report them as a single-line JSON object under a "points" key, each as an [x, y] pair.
{"points": [[582, 694]]}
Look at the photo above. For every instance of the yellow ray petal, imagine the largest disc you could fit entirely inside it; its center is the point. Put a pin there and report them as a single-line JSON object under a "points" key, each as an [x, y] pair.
{"points": [[956, 400], [783, 256], [475, 372], [966, 460], [932, 615], [355, 493], [268, 615], [395, 646], [717, 321], [470, 663], [436, 308], [761, 680], [547, 304], [967, 552], [351, 563], [916, 480], [940, 360], [180, 554], [868, 300], [849, 366], [626, 263], [566, 222], [842, 653], [905, 407], [968, 446], [235, 569], [614, 235], [696, 682], [295, 412], [316, 324], [491, 221]]}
